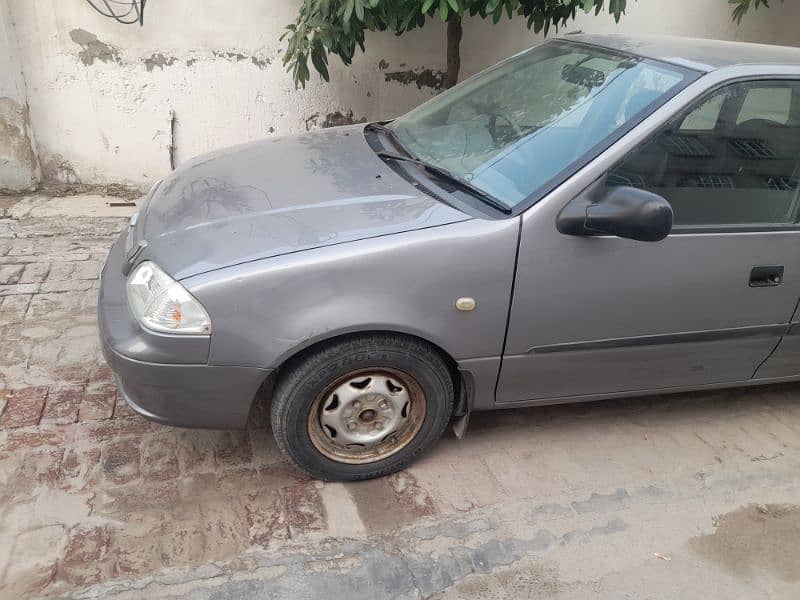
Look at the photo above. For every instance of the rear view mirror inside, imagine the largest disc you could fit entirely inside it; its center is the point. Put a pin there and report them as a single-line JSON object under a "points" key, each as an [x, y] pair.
{"points": [[585, 76]]}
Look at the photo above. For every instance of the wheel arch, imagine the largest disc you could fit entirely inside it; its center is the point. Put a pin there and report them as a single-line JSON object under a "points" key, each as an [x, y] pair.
{"points": [[462, 380]]}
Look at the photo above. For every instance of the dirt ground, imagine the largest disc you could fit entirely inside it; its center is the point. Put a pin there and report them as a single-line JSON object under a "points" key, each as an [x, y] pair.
{"points": [[686, 496]]}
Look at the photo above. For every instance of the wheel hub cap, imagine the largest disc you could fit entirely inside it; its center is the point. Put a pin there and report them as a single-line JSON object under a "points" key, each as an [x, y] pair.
{"points": [[367, 415], [364, 410]]}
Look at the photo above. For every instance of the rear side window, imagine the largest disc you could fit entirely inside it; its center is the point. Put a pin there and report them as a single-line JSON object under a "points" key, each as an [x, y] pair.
{"points": [[772, 103], [731, 160]]}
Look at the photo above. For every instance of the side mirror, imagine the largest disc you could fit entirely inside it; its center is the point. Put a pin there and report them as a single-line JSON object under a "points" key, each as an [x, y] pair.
{"points": [[625, 212]]}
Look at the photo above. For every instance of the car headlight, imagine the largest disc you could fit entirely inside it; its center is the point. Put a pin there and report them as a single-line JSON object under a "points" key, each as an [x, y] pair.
{"points": [[162, 304]]}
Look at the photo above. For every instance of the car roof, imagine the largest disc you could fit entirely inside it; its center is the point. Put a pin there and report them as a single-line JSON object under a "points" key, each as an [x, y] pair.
{"points": [[694, 53]]}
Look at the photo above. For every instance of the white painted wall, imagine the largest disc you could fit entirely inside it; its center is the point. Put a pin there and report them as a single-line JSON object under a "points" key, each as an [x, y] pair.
{"points": [[108, 121], [18, 166]]}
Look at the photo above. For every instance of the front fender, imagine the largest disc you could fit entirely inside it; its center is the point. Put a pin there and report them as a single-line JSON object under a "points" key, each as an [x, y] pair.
{"points": [[265, 311]]}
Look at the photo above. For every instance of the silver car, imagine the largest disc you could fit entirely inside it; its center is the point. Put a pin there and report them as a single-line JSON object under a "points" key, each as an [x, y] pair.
{"points": [[599, 216]]}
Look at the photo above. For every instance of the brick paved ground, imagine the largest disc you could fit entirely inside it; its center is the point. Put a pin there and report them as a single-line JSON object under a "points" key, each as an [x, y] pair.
{"points": [[558, 502], [90, 491]]}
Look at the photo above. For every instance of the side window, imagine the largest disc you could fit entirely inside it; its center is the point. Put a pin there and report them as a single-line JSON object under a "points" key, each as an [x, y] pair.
{"points": [[731, 160], [706, 116], [766, 103]]}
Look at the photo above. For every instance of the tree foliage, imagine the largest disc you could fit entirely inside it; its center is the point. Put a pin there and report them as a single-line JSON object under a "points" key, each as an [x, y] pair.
{"points": [[325, 27], [742, 7]]}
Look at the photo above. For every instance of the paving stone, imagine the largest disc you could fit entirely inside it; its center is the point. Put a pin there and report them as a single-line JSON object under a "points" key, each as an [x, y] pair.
{"points": [[23, 407], [102, 431], [42, 466], [72, 374], [13, 308], [71, 285], [18, 259], [44, 436], [266, 519], [304, 509], [61, 306], [98, 402], [161, 499], [36, 554], [196, 451], [80, 467], [160, 459], [8, 228], [61, 271], [101, 374], [83, 560], [62, 404], [233, 448], [34, 273], [22, 288], [121, 461], [122, 410], [87, 270], [10, 274]]}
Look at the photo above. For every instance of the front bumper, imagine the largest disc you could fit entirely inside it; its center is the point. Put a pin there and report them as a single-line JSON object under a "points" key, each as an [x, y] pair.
{"points": [[167, 378]]}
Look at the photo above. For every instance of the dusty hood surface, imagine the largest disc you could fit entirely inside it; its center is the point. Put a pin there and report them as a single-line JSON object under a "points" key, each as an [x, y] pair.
{"points": [[278, 196]]}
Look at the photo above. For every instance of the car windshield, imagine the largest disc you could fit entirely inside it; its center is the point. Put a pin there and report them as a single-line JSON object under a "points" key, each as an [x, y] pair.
{"points": [[511, 130]]}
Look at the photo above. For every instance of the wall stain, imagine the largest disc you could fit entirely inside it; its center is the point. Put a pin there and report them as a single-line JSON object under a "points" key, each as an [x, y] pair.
{"points": [[94, 48], [158, 60], [425, 78], [18, 164], [311, 121], [382, 64], [232, 56], [755, 537], [58, 170], [337, 119], [60, 179], [261, 63]]}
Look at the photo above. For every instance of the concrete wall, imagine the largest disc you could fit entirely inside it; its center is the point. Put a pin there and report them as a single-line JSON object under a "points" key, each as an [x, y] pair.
{"points": [[100, 93], [18, 165]]}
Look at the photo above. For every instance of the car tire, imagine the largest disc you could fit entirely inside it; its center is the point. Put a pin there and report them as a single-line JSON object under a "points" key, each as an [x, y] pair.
{"points": [[362, 407]]}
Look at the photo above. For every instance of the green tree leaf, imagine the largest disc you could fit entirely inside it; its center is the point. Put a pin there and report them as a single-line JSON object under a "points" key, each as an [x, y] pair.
{"points": [[349, 7], [338, 27]]}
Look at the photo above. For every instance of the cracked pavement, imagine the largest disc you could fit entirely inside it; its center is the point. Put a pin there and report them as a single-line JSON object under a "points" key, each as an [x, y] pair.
{"points": [[660, 497]]}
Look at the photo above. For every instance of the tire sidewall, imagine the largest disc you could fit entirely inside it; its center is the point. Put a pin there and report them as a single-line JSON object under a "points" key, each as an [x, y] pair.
{"points": [[434, 380]]}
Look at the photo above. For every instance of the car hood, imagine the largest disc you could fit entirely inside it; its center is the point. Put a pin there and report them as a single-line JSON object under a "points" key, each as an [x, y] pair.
{"points": [[278, 196]]}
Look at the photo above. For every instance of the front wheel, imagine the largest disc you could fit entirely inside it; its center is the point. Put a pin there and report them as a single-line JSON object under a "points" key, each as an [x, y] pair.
{"points": [[362, 407]]}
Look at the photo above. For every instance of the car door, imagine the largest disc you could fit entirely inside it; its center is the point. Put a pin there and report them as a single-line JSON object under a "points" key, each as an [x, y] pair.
{"points": [[708, 304]]}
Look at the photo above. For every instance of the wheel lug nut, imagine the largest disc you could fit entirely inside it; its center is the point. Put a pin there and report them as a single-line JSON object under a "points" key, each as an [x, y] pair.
{"points": [[356, 404], [383, 405], [378, 425], [351, 425]]}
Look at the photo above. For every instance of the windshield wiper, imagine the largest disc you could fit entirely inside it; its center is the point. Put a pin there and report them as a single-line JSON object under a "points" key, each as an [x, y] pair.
{"points": [[383, 128], [455, 180]]}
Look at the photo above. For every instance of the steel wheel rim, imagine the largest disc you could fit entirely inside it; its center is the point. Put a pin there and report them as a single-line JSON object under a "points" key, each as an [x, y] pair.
{"points": [[367, 415]]}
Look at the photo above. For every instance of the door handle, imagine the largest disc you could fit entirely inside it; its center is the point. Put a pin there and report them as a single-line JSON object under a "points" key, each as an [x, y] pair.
{"points": [[766, 276]]}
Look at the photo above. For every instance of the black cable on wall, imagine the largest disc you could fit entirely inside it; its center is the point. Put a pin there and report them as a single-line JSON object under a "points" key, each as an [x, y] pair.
{"points": [[133, 10]]}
